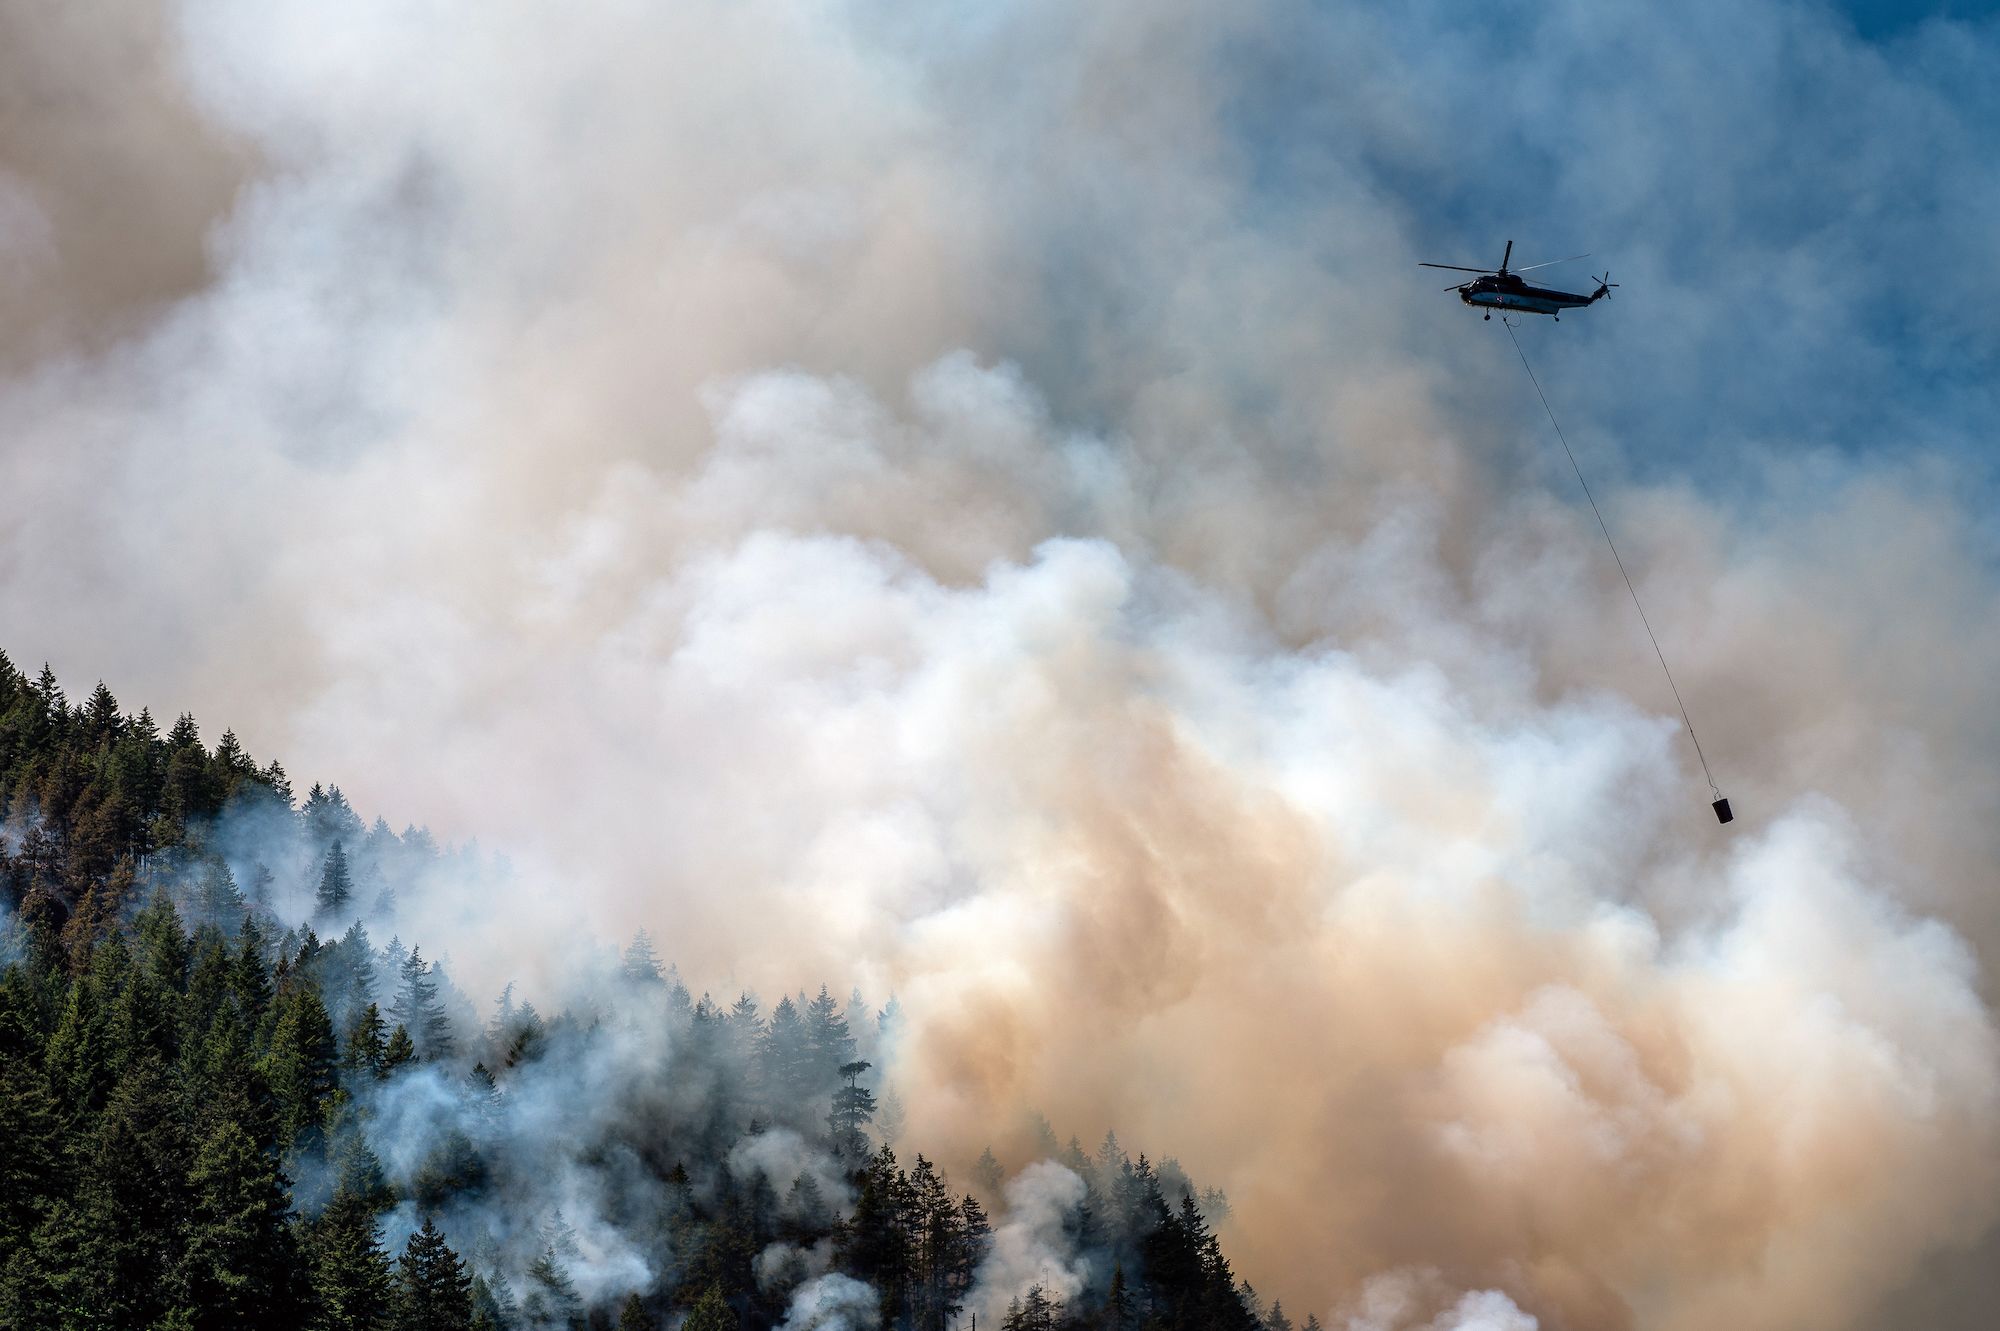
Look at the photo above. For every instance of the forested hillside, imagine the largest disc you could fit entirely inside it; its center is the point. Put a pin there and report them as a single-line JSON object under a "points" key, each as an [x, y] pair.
{"points": [[224, 1104]]}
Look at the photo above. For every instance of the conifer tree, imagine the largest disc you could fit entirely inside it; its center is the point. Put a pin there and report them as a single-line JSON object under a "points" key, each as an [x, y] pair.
{"points": [[32, 1175], [1118, 1309], [551, 1298], [367, 1052], [133, 1196], [634, 1317], [641, 964], [401, 1050], [433, 1291], [218, 900], [101, 719], [853, 1105], [336, 884], [1035, 1312], [710, 1313], [236, 1267], [351, 1288], [986, 1172], [301, 1063], [785, 1060], [418, 1011]]}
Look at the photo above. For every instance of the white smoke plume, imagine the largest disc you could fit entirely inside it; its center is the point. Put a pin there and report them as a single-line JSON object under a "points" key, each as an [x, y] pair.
{"points": [[1418, 1299], [976, 506], [1035, 1243], [834, 1302]]}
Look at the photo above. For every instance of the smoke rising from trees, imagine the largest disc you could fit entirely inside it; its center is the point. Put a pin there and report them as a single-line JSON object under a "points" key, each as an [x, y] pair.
{"points": [[976, 509]]}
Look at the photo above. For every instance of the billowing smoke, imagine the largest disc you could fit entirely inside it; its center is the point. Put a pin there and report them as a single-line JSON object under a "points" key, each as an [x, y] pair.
{"points": [[833, 1302], [1035, 1246], [977, 507]]}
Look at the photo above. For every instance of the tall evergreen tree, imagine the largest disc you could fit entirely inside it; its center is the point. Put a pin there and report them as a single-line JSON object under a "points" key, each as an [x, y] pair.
{"points": [[236, 1268], [642, 964], [351, 1288], [853, 1107], [417, 1009], [433, 1291], [336, 884], [634, 1317], [711, 1313], [300, 1066], [550, 1298]]}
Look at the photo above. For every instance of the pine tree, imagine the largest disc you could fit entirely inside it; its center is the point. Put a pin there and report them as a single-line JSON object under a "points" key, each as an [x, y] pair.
{"points": [[280, 784], [351, 1287], [401, 1049], [891, 1118], [551, 1299], [349, 970], [711, 1313], [642, 964], [134, 1195], [301, 1063], [237, 1264], [367, 1052], [101, 719], [785, 1060], [634, 1317], [32, 1175], [219, 901], [493, 1306], [336, 885], [418, 1011], [827, 1036], [986, 1172], [1036, 1312], [433, 1291], [853, 1105], [1118, 1306]]}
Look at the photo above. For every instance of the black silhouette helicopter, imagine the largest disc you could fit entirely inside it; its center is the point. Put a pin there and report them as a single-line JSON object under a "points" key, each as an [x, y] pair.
{"points": [[1498, 289]]}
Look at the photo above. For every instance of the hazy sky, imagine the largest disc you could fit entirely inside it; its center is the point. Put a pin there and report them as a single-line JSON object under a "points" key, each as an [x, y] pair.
{"points": [[980, 501]]}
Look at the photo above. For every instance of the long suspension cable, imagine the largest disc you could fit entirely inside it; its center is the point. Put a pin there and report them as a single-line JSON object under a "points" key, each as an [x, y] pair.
{"points": [[1601, 526]]}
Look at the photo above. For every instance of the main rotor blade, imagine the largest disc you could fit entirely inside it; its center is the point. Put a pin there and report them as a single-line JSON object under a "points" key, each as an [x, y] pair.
{"points": [[1458, 286], [1551, 263], [1461, 268]]}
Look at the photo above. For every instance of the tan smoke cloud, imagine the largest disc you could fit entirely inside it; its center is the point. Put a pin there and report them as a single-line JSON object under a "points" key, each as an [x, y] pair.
{"points": [[863, 509], [109, 179]]}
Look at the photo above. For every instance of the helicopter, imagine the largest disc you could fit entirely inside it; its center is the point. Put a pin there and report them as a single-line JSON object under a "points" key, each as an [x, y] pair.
{"points": [[1503, 290]]}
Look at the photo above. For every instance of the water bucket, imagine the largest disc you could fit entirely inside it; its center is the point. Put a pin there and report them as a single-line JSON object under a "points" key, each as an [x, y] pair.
{"points": [[1721, 807]]}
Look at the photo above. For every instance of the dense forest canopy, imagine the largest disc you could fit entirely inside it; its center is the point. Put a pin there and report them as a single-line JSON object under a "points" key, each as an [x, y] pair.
{"points": [[224, 1102]]}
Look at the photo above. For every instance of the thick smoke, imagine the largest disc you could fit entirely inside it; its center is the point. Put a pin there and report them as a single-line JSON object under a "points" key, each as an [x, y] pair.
{"points": [[834, 1302], [1035, 1245], [978, 507]]}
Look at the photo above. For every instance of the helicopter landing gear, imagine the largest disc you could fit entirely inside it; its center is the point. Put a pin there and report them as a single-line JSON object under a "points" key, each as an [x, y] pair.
{"points": [[1488, 318]]}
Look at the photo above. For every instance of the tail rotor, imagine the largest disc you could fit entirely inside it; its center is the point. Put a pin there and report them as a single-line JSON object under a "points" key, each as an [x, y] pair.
{"points": [[1604, 286]]}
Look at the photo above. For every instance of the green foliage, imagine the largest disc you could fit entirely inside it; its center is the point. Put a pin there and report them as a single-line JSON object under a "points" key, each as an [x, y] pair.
{"points": [[433, 1291], [165, 1066], [711, 1313], [336, 885], [551, 1299], [300, 1066], [237, 1267], [634, 1317], [349, 1272]]}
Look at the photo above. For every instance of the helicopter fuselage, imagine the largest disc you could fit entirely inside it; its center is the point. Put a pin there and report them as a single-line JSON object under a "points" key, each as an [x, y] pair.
{"points": [[1511, 293]]}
